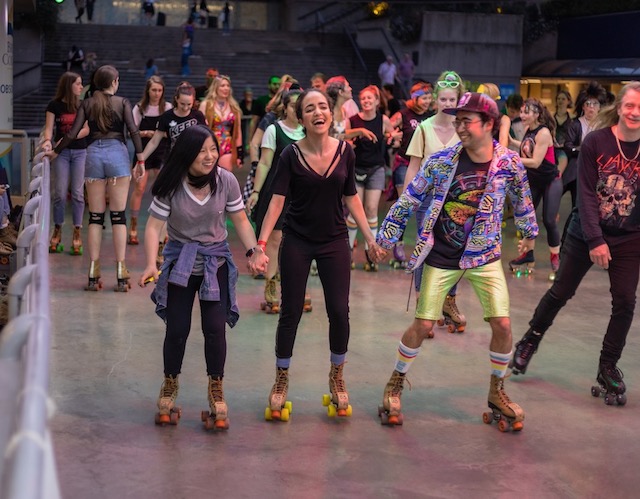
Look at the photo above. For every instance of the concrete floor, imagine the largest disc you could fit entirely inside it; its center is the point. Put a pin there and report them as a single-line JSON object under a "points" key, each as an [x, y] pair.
{"points": [[106, 371]]}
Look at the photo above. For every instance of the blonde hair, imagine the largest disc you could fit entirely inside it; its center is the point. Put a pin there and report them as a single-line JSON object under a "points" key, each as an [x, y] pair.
{"points": [[490, 89], [213, 91], [609, 115]]}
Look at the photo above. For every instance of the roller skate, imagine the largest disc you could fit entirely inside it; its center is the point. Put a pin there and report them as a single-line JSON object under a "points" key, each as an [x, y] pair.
{"points": [[122, 274], [168, 413], [76, 242], [523, 265], [610, 385], [555, 265], [507, 414], [337, 403], [133, 232], [399, 258], [524, 351], [160, 255], [55, 245], [279, 407], [390, 410], [271, 303], [453, 319], [216, 418], [369, 266], [307, 307], [314, 268], [94, 276]]}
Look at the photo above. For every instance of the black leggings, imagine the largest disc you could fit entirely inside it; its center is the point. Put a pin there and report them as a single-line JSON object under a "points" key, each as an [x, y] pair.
{"points": [[550, 194], [624, 268], [213, 318], [334, 269]]}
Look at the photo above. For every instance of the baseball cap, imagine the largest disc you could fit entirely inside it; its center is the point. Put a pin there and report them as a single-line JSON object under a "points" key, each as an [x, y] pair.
{"points": [[476, 103]]}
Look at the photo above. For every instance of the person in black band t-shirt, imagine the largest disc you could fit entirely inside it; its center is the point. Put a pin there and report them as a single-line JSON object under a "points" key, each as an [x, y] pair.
{"points": [[314, 174], [604, 230]]}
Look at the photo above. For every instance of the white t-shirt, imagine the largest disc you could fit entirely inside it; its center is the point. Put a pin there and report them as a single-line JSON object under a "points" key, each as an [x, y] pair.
{"points": [[269, 137]]}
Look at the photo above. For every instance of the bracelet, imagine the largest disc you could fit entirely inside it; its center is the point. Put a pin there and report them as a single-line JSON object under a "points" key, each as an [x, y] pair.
{"points": [[255, 192], [250, 252], [254, 164], [262, 244]]}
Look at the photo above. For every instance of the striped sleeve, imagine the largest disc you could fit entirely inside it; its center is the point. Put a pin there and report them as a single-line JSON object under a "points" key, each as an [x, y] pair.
{"points": [[160, 209]]}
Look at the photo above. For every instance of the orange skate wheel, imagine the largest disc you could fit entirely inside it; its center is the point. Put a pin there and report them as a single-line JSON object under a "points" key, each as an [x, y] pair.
{"points": [[503, 425], [393, 420], [517, 426], [162, 419], [487, 417], [440, 322], [221, 424]]}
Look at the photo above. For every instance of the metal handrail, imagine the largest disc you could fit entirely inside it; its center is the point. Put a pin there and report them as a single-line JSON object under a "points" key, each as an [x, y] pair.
{"points": [[29, 471]]}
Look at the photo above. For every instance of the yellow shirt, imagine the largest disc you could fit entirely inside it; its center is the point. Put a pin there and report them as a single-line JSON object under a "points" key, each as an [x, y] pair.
{"points": [[425, 141]]}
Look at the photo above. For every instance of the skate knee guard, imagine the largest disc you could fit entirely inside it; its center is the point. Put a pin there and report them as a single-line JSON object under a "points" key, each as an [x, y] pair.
{"points": [[118, 218], [96, 218]]}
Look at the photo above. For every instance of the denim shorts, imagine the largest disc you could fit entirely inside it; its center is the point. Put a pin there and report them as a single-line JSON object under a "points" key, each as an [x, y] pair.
{"points": [[372, 180], [107, 158]]}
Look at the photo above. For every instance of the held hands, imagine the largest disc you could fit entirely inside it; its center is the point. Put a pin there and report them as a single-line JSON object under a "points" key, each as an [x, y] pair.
{"points": [[376, 253], [257, 263], [601, 256], [149, 275], [138, 171], [525, 245]]}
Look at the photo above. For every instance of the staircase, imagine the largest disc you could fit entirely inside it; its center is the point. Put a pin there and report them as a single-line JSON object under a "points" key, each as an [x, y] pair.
{"points": [[248, 57]]}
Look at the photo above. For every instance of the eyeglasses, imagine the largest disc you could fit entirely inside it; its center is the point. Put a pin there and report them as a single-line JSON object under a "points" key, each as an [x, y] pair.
{"points": [[448, 84], [464, 122], [592, 103]]}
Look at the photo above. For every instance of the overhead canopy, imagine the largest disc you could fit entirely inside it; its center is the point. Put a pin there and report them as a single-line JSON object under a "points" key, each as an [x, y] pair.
{"points": [[585, 68]]}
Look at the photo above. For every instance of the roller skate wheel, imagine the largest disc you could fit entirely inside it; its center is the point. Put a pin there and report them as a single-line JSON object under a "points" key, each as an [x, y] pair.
{"points": [[268, 415], [595, 391], [307, 308], [284, 414], [487, 417], [349, 411], [332, 411], [440, 322], [610, 399], [621, 399], [517, 426], [288, 406], [451, 328], [503, 425], [174, 417], [393, 420], [326, 400], [162, 419], [221, 424]]}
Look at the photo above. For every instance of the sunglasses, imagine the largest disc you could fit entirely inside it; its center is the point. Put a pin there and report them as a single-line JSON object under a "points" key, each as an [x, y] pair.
{"points": [[448, 84], [592, 103]]}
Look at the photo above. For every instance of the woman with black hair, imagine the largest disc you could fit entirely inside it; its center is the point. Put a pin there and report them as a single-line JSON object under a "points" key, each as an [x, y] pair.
{"points": [[193, 195]]}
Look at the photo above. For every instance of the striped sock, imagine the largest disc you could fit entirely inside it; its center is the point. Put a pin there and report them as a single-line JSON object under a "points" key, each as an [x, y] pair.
{"points": [[405, 357], [499, 363]]}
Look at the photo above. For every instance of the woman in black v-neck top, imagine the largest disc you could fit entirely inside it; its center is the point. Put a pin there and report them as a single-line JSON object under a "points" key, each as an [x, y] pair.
{"points": [[315, 174]]}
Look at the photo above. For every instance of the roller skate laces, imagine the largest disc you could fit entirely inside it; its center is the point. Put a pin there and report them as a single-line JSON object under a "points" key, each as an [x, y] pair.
{"points": [[524, 264], [76, 242], [390, 410], [216, 418], [168, 413], [279, 408], [55, 245], [610, 385], [506, 413], [337, 403]]}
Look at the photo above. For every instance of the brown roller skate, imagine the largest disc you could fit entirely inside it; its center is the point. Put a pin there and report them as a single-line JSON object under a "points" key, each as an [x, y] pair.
{"points": [[453, 319], [216, 418], [507, 414], [76, 242], [279, 407], [133, 232], [271, 303], [168, 413], [307, 307], [94, 276], [337, 403], [55, 244], [390, 410], [122, 275]]}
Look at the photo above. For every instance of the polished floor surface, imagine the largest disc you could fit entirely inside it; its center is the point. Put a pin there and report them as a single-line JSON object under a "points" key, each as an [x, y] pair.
{"points": [[106, 371]]}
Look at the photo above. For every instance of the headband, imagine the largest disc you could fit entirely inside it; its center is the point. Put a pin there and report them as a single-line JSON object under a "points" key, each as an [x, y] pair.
{"points": [[419, 92]]}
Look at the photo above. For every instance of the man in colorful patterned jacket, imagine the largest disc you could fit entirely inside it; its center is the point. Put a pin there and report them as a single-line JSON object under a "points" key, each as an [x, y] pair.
{"points": [[466, 187]]}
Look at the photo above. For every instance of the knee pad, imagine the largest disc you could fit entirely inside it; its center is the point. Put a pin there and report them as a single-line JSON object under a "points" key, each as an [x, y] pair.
{"points": [[118, 218], [96, 218]]}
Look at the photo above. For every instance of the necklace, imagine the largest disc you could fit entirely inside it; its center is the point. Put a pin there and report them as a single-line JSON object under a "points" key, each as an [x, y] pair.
{"points": [[221, 105], [620, 148]]}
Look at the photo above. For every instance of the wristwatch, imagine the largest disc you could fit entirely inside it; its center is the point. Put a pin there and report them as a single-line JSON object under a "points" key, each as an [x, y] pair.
{"points": [[251, 251]]}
